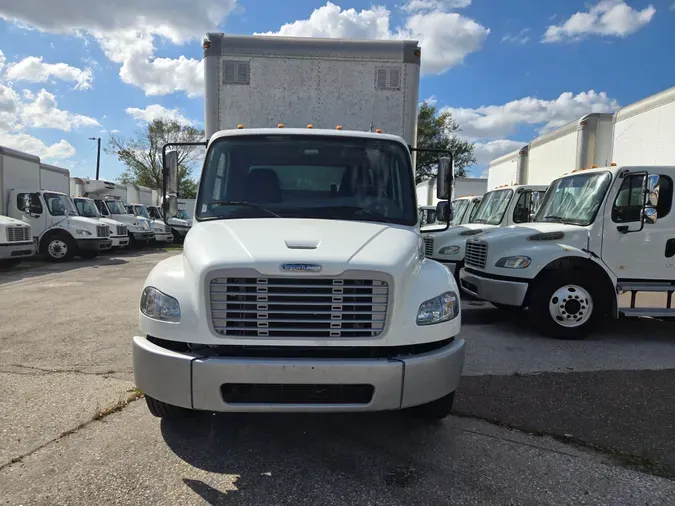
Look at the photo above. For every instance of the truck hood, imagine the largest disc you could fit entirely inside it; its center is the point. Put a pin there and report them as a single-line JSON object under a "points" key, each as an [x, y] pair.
{"points": [[457, 230], [574, 235], [333, 245], [7, 221]]}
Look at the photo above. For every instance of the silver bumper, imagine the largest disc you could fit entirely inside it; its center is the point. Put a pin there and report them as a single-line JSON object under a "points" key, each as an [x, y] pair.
{"points": [[511, 293], [192, 382], [163, 237], [17, 250]]}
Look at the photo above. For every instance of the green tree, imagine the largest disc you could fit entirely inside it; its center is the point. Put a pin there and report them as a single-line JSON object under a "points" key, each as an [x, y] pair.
{"points": [[439, 131], [142, 154]]}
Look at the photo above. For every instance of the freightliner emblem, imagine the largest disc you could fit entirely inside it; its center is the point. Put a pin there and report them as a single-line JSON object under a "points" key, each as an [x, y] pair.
{"points": [[300, 267]]}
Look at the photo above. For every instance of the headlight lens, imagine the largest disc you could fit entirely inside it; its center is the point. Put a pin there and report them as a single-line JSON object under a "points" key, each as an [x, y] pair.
{"points": [[159, 306], [516, 262], [82, 232], [449, 250], [440, 309]]}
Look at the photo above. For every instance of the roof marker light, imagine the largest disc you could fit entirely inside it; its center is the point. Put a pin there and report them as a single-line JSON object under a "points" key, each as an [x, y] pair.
{"points": [[378, 131], [310, 126], [280, 125], [339, 127], [239, 127]]}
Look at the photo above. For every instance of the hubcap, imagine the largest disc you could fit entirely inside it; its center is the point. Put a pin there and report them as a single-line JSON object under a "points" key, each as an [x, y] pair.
{"points": [[57, 248], [571, 306]]}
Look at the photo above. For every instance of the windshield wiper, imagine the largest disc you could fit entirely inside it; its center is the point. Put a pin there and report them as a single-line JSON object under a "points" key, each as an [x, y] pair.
{"points": [[479, 220], [243, 204], [559, 219], [358, 211]]}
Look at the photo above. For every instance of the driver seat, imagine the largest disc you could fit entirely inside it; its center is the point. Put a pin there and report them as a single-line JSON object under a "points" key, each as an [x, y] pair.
{"points": [[262, 186]]}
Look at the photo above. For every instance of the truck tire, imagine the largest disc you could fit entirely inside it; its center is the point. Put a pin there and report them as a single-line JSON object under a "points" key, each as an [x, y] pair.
{"points": [[435, 410], [567, 304], [163, 410], [58, 247]]}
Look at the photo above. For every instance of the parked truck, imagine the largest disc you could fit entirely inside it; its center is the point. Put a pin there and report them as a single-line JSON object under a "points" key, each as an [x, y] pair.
{"points": [[16, 236], [58, 231], [107, 198], [599, 233], [468, 192], [136, 202], [302, 285], [179, 225]]}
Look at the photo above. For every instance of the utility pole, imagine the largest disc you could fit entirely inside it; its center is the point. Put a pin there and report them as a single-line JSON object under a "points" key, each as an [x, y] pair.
{"points": [[98, 154]]}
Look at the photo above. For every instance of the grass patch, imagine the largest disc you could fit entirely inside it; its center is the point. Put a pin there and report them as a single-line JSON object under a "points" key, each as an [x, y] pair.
{"points": [[133, 395]]}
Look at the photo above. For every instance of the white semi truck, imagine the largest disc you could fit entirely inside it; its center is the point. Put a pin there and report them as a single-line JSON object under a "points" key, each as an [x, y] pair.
{"points": [[107, 198], [58, 231], [302, 285], [16, 236], [599, 233]]}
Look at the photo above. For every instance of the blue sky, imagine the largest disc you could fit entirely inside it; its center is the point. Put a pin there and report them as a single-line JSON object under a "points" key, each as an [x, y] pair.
{"points": [[507, 69]]}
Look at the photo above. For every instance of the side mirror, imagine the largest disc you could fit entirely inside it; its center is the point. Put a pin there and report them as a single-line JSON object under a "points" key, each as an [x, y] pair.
{"points": [[444, 211], [170, 190], [444, 179], [650, 214]]}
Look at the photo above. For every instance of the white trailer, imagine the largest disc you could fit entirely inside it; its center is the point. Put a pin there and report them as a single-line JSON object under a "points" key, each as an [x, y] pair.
{"points": [[643, 132], [109, 199], [580, 144], [16, 236], [58, 231], [463, 186], [305, 265], [508, 170]]}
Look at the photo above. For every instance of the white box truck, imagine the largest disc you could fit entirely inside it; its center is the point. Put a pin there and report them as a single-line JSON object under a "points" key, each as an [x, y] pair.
{"points": [[468, 192], [16, 236], [598, 233], [107, 197], [136, 202], [511, 202], [302, 285], [86, 207], [58, 231]]}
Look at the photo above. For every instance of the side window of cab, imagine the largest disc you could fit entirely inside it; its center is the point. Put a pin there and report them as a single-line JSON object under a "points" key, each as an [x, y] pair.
{"points": [[630, 198]]}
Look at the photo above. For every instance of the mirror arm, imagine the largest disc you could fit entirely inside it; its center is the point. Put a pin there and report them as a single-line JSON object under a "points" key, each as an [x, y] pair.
{"points": [[165, 170]]}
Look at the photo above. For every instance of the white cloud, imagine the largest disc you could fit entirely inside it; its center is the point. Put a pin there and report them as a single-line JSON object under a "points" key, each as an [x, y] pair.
{"points": [[156, 111], [446, 38], [435, 5], [606, 18], [519, 38], [499, 121], [35, 70], [487, 151], [41, 111], [29, 144]]}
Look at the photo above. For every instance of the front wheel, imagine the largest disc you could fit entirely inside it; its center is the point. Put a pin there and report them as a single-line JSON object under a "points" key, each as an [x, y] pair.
{"points": [[59, 248], [163, 410], [435, 410], [567, 304]]}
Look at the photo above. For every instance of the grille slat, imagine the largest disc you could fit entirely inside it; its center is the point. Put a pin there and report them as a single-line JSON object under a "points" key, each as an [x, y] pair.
{"points": [[18, 234], [298, 307], [102, 231], [476, 254], [428, 246], [121, 230]]}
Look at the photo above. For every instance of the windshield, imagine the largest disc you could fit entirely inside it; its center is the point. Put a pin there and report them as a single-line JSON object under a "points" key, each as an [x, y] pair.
{"points": [[155, 213], [574, 199], [308, 177], [493, 206], [116, 207], [475, 203], [86, 207], [141, 211], [182, 214], [58, 204], [459, 208]]}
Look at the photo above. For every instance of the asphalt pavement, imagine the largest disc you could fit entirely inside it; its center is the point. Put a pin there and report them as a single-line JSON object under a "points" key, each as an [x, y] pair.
{"points": [[538, 421]]}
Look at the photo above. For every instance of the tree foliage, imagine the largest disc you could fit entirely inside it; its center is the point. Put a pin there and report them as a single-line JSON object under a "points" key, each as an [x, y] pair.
{"points": [[142, 154], [439, 131]]}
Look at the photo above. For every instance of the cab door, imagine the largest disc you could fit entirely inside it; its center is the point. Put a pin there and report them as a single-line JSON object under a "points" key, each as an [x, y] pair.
{"points": [[29, 209], [634, 250]]}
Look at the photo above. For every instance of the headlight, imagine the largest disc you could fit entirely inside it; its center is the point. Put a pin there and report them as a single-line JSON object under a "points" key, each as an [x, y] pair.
{"points": [[79, 231], [449, 250], [440, 309], [517, 262], [159, 306]]}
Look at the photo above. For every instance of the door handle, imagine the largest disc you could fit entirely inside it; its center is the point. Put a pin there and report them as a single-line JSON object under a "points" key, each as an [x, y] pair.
{"points": [[622, 228]]}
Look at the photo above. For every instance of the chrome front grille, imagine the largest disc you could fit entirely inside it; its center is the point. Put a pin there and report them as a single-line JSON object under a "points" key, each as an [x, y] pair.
{"points": [[102, 231], [18, 234], [428, 246], [284, 307], [476, 253], [121, 230]]}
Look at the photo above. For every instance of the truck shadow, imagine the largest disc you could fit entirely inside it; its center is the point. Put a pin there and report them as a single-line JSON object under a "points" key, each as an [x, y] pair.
{"points": [[41, 267], [268, 455]]}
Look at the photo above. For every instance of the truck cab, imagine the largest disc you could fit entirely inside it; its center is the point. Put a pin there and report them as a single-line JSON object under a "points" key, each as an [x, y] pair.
{"points": [[180, 224], [118, 230], [502, 207], [60, 233], [139, 229], [598, 233], [16, 241], [162, 232]]}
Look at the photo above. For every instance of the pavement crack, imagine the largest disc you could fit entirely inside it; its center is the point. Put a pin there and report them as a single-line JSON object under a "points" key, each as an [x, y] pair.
{"points": [[46, 371], [100, 414]]}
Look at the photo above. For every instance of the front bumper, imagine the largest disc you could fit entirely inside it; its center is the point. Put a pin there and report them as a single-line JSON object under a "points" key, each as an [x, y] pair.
{"points": [[120, 241], [163, 237], [98, 244], [195, 382], [143, 236], [181, 231], [17, 249], [510, 293]]}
